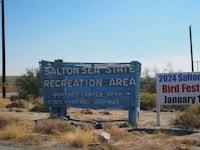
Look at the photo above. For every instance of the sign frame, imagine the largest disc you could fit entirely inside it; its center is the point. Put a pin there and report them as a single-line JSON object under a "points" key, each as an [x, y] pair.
{"points": [[181, 88], [77, 79]]}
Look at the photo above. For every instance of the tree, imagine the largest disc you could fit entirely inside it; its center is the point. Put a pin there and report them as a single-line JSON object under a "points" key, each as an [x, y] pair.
{"points": [[28, 85], [148, 83], [169, 68]]}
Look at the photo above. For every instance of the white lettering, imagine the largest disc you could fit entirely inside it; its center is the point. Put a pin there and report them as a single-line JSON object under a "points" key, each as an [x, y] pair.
{"points": [[72, 83], [46, 83], [131, 68], [84, 70], [122, 82], [96, 71]]}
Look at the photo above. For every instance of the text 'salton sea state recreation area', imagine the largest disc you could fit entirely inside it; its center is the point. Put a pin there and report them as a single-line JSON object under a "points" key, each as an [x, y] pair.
{"points": [[91, 85]]}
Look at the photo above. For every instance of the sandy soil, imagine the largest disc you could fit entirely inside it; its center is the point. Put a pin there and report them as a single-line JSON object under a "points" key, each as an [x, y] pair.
{"points": [[146, 118]]}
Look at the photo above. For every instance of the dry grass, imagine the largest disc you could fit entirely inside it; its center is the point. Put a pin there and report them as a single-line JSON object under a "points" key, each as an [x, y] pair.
{"points": [[11, 132], [53, 126], [157, 141], [79, 138], [17, 106], [162, 141], [20, 106], [88, 127], [191, 141], [4, 102], [190, 118], [34, 139], [13, 127], [117, 133], [25, 132], [20, 128], [69, 135]]}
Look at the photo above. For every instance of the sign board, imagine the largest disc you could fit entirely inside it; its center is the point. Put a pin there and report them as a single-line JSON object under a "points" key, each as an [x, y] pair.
{"points": [[178, 88], [91, 85], [181, 88]]}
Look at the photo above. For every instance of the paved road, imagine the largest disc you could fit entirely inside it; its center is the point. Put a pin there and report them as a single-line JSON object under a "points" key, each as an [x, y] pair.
{"points": [[4, 147]]}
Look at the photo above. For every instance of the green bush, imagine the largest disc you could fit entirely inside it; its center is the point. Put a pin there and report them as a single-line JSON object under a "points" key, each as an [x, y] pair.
{"points": [[147, 100], [29, 85]]}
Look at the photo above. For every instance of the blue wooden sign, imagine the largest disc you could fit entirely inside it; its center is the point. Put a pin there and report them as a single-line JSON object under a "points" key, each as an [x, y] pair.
{"points": [[91, 85]]}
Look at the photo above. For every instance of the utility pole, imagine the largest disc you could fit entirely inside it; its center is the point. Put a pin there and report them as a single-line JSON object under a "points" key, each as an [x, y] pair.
{"points": [[191, 48], [3, 53]]}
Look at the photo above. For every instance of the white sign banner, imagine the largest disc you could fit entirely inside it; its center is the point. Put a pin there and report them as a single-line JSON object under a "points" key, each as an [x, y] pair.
{"points": [[178, 88]]}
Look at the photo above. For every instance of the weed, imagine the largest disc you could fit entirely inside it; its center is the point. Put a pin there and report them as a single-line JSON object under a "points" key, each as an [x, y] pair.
{"points": [[13, 128], [79, 138], [191, 141], [88, 127], [34, 139], [40, 108], [10, 132], [53, 126], [161, 135], [189, 118], [38, 105], [6, 120], [20, 104], [4, 102], [116, 133]]}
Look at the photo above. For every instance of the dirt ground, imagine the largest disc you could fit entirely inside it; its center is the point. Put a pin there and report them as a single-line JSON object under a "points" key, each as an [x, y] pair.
{"points": [[146, 118], [143, 140]]}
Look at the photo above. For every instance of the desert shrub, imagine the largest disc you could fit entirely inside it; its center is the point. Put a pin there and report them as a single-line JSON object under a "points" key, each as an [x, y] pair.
{"points": [[79, 138], [148, 84], [4, 102], [36, 101], [116, 133], [53, 126], [191, 141], [88, 127], [147, 100], [71, 135], [10, 132], [14, 97], [38, 106], [19, 104], [28, 85], [189, 118], [4, 121], [13, 127], [194, 109]]}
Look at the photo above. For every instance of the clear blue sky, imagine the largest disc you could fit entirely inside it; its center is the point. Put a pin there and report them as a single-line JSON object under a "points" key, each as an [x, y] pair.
{"points": [[154, 32]]}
